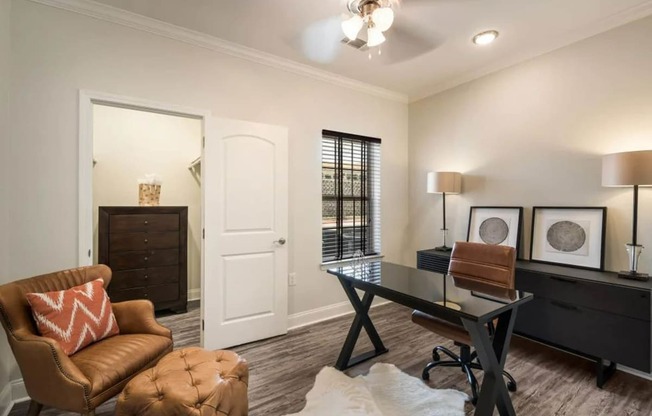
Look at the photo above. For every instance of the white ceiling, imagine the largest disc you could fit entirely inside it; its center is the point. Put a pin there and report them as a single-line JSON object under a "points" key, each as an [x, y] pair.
{"points": [[307, 31]]}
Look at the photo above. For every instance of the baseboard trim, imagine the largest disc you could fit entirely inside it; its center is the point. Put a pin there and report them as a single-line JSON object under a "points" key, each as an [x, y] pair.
{"points": [[5, 400], [637, 373], [18, 391], [194, 294], [324, 313]]}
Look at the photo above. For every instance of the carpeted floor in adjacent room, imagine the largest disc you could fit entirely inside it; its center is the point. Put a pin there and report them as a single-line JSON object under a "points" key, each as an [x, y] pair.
{"points": [[282, 369]]}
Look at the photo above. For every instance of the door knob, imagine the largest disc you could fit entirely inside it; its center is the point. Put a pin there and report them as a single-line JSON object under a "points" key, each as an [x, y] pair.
{"points": [[280, 241]]}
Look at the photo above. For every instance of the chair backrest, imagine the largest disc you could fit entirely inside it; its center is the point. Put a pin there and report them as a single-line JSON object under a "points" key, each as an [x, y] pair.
{"points": [[15, 312], [488, 264]]}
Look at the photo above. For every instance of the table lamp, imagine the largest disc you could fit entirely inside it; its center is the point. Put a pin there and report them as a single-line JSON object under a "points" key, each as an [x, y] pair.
{"points": [[444, 183], [629, 169]]}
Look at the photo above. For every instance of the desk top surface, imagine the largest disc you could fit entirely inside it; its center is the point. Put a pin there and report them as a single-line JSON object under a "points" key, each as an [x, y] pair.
{"points": [[428, 291]]}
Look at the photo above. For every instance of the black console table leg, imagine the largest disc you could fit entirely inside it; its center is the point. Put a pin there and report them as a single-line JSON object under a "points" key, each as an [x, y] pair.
{"points": [[604, 373], [361, 320]]}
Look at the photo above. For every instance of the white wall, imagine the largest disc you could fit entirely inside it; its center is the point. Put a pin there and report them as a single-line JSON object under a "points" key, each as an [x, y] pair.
{"points": [[534, 135], [129, 144], [56, 53], [5, 47]]}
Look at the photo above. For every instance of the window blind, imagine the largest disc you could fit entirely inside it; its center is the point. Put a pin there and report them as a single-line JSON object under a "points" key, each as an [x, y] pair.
{"points": [[350, 195]]}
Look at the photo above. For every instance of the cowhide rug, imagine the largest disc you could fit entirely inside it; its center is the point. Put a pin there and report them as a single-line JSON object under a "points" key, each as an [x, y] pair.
{"points": [[385, 391]]}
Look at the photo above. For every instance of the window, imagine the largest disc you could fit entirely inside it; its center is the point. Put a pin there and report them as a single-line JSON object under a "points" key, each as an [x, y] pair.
{"points": [[350, 195]]}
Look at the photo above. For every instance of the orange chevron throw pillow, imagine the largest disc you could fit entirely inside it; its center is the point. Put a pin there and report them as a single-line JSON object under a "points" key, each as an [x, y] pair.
{"points": [[75, 317]]}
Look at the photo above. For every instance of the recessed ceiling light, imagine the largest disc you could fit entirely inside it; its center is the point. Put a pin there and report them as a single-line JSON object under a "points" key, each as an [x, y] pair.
{"points": [[485, 38]]}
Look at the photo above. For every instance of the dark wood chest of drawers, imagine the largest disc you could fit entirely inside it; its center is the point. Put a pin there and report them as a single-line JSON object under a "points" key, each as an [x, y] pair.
{"points": [[146, 248], [589, 313]]}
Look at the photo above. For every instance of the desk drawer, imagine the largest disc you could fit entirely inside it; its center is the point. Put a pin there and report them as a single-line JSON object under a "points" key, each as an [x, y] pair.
{"points": [[131, 223], [599, 334], [144, 277], [143, 259], [142, 241], [625, 301]]}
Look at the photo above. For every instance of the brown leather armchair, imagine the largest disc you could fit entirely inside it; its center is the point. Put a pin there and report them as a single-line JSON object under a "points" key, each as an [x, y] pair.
{"points": [[488, 268], [91, 376]]}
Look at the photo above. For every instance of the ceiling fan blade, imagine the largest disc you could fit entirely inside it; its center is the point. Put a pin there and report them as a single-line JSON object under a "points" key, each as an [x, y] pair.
{"points": [[321, 41], [403, 44]]}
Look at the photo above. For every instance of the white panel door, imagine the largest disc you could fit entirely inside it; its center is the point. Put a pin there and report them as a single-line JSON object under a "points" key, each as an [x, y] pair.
{"points": [[245, 191]]}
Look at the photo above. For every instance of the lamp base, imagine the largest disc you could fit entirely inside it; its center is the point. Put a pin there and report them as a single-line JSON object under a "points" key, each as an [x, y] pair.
{"points": [[632, 275], [443, 248], [449, 305]]}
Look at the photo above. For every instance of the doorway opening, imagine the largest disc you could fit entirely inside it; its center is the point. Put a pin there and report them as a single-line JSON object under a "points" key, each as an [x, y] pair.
{"points": [[125, 143], [132, 147]]}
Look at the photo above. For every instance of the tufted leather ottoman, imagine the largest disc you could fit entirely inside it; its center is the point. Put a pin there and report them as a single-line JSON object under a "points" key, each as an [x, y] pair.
{"points": [[190, 381]]}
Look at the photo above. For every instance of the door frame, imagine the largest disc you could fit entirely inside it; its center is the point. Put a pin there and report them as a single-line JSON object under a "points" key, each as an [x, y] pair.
{"points": [[87, 99]]}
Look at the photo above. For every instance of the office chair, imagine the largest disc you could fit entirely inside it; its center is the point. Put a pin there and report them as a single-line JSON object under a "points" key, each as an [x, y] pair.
{"points": [[488, 264]]}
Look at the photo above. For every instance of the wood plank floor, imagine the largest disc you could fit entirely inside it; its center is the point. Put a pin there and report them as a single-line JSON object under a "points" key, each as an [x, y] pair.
{"points": [[282, 369]]}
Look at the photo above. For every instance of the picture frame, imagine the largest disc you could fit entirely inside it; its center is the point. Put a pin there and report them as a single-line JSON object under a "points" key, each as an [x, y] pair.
{"points": [[569, 236], [496, 225]]}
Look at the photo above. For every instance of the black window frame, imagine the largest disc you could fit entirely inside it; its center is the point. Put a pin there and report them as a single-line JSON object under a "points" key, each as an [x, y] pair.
{"points": [[363, 232]]}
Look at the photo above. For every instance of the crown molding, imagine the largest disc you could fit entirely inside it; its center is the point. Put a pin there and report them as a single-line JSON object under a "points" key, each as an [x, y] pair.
{"points": [[135, 21], [605, 24]]}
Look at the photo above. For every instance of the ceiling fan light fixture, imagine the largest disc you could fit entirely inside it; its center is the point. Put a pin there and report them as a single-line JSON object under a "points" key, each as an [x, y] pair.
{"points": [[375, 37], [485, 38], [383, 18], [351, 27]]}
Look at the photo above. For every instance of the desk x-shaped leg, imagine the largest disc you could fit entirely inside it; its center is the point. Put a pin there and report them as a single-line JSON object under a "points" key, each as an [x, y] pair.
{"points": [[361, 319], [492, 354]]}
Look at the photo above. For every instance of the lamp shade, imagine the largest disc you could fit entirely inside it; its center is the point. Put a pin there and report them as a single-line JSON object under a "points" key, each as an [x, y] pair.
{"points": [[627, 169], [448, 182]]}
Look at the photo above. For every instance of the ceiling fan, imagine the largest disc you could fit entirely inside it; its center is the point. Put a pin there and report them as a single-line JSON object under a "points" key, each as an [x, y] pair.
{"points": [[377, 15], [369, 24]]}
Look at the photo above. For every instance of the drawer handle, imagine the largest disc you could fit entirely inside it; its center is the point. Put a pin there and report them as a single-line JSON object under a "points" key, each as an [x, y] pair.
{"points": [[146, 259], [146, 277], [146, 222], [561, 279], [145, 241], [566, 306]]}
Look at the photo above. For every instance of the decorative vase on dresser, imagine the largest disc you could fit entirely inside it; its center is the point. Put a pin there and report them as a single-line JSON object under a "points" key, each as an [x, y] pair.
{"points": [[147, 250]]}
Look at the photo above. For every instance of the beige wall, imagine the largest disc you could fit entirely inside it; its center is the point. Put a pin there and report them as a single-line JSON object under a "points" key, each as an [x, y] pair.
{"points": [[5, 46], [56, 53], [129, 144], [534, 135]]}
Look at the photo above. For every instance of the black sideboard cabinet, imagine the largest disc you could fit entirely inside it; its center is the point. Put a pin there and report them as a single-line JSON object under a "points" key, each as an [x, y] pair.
{"points": [[588, 313]]}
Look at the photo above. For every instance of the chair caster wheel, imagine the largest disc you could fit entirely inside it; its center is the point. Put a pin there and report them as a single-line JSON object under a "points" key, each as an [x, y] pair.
{"points": [[425, 376], [511, 386]]}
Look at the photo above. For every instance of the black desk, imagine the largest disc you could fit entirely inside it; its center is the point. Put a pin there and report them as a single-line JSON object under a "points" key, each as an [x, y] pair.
{"points": [[592, 314], [420, 289]]}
